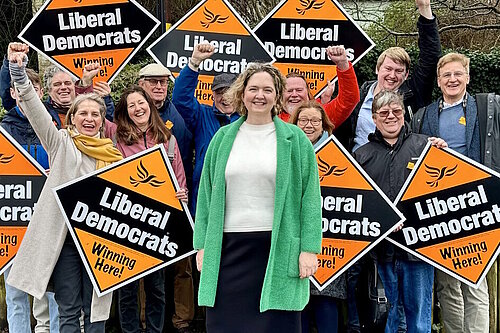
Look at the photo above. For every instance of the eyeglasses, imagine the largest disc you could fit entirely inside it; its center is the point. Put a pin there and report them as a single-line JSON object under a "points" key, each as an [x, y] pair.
{"points": [[154, 82], [457, 75], [303, 121], [385, 113]]}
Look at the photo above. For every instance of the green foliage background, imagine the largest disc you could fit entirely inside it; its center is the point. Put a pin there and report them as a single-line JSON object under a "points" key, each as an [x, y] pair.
{"points": [[484, 68]]}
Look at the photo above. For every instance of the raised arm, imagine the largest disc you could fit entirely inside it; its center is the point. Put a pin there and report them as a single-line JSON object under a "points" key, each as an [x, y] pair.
{"points": [[340, 108], [422, 80], [7, 101], [31, 104], [185, 85], [102, 88]]}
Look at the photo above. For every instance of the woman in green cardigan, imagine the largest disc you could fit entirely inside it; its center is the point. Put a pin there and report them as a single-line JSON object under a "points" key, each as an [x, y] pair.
{"points": [[258, 218]]}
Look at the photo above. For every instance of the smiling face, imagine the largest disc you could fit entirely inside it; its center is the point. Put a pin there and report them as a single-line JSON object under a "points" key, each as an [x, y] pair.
{"points": [[390, 75], [389, 125], [87, 118], [138, 110], [259, 97], [295, 93], [221, 103], [309, 120], [62, 88], [156, 88], [453, 80]]}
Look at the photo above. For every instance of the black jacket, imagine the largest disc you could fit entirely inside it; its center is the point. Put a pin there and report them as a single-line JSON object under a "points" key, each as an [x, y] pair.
{"points": [[416, 90], [388, 165]]}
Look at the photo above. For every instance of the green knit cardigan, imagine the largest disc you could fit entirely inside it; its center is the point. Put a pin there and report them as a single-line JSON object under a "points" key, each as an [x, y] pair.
{"points": [[296, 223]]}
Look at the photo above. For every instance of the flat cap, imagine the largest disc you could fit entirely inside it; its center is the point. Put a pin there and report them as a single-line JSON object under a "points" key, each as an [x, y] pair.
{"points": [[223, 81], [154, 70]]}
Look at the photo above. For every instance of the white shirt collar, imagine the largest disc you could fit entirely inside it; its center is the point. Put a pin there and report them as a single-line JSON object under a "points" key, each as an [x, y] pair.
{"points": [[446, 105]]}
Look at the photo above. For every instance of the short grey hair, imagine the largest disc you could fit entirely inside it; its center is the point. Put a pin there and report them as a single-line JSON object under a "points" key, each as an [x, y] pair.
{"points": [[387, 97], [49, 73]]}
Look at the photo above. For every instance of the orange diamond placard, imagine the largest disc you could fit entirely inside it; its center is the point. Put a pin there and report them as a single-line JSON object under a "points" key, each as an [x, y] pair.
{"points": [[74, 33], [21, 182], [297, 32], [356, 213], [452, 206], [215, 22], [125, 219]]}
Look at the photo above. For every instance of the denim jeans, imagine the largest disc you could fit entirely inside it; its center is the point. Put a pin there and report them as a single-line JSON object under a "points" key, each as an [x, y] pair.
{"points": [[325, 312], [45, 311], [154, 286], [411, 282], [73, 291], [18, 308]]}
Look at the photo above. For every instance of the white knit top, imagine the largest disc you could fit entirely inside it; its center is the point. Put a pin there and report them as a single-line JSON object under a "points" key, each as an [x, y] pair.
{"points": [[251, 179]]}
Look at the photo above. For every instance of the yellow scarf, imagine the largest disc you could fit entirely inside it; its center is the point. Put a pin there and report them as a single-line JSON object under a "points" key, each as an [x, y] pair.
{"points": [[100, 149]]}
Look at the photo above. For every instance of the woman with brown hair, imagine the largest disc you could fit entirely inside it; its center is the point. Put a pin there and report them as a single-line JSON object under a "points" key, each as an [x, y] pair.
{"points": [[139, 127], [323, 305], [312, 119]]}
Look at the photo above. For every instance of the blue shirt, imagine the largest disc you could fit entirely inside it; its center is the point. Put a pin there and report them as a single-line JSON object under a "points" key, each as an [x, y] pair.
{"points": [[365, 124], [452, 128]]}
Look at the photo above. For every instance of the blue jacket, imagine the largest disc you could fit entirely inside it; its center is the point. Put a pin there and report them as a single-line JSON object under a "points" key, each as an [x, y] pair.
{"points": [[7, 101], [18, 126], [182, 134], [202, 120]]}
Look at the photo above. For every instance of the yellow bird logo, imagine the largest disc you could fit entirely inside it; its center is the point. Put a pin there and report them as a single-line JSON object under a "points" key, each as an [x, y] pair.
{"points": [[438, 174], [5, 159], [307, 5], [326, 170], [212, 18], [145, 177]]}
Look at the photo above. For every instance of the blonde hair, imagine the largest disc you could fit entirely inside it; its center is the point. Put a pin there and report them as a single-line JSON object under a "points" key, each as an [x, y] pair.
{"points": [[235, 93], [396, 54], [453, 57], [79, 100]]}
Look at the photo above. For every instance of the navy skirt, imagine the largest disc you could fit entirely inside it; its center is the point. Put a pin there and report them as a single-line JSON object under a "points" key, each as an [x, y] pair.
{"points": [[243, 266]]}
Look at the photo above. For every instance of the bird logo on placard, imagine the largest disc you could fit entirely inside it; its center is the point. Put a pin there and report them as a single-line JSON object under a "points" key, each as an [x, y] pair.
{"points": [[438, 174], [5, 159], [309, 4], [145, 177], [326, 170], [212, 18]]}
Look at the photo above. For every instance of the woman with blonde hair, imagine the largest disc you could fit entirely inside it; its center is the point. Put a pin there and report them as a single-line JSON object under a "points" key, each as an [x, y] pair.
{"points": [[48, 251]]}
